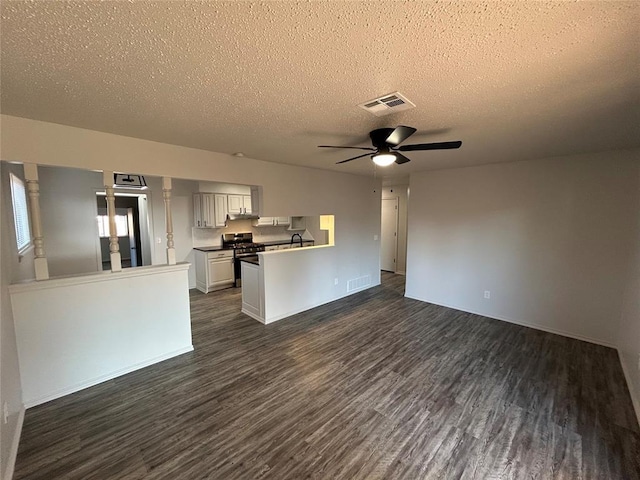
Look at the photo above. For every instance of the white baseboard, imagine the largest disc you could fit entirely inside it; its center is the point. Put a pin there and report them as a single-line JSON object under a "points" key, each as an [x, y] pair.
{"points": [[32, 402], [252, 315], [634, 397], [13, 451], [525, 324]]}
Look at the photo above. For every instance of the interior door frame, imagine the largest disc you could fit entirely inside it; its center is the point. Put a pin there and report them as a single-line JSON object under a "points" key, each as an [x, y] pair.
{"points": [[396, 201], [100, 192]]}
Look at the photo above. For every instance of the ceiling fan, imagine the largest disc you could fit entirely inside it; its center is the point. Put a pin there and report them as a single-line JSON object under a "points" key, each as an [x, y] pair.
{"points": [[387, 151]]}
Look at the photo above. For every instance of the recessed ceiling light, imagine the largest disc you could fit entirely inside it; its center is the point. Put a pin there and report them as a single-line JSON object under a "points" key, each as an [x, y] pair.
{"points": [[238, 154]]}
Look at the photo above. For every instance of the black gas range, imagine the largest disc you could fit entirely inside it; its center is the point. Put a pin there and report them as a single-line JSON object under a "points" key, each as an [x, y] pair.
{"points": [[243, 246]]}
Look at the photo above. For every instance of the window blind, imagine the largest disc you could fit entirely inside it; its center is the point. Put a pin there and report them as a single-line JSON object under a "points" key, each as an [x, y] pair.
{"points": [[20, 213]]}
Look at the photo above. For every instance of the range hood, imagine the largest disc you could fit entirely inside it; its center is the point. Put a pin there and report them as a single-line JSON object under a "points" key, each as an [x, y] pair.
{"points": [[242, 216]]}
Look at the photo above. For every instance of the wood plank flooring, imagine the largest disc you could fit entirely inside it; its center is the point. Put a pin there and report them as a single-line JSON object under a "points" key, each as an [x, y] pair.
{"points": [[373, 386]]}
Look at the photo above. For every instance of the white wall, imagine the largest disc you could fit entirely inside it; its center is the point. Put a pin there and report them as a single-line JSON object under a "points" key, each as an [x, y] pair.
{"points": [[10, 390], [401, 193], [287, 190], [629, 333], [79, 331], [68, 206], [182, 213], [550, 239]]}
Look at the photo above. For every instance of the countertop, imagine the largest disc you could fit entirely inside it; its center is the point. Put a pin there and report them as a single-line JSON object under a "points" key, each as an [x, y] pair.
{"points": [[286, 242], [211, 249], [266, 244]]}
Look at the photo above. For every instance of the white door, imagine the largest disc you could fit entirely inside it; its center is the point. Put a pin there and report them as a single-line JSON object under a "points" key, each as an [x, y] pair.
{"points": [[389, 235], [132, 238]]}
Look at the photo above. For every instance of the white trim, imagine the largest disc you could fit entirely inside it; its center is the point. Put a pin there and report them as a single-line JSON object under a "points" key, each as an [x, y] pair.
{"points": [[103, 378], [13, 451], [102, 276], [253, 315], [309, 307], [525, 324], [634, 398]]}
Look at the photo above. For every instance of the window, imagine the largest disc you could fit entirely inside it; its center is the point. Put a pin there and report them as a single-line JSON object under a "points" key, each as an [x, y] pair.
{"points": [[122, 227], [20, 213]]}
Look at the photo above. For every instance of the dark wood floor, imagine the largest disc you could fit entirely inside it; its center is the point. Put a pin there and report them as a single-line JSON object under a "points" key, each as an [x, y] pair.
{"points": [[371, 386]]}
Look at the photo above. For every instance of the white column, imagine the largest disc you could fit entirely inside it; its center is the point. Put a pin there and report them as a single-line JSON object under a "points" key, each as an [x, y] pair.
{"points": [[33, 190], [166, 194], [114, 248]]}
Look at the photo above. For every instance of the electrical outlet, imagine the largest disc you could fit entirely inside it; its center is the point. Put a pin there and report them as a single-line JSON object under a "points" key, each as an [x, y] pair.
{"points": [[158, 240], [335, 281], [375, 238], [5, 412], [487, 294]]}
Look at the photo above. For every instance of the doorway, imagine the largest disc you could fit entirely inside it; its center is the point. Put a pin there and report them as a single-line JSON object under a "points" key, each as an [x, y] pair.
{"points": [[132, 228], [389, 234]]}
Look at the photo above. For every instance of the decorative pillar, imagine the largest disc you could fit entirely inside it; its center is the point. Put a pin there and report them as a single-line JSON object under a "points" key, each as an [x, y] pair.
{"points": [[33, 190], [166, 194], [114, 248]]}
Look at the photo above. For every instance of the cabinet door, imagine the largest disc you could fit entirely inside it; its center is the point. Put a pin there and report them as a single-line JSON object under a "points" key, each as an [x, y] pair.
{"points": [[208, 210], [283, 220], [235, 204], [220, 272], [220, 210], [246, 203], [197, 210]]}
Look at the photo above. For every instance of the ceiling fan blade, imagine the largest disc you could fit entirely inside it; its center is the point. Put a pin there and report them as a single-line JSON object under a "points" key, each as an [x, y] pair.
{"points": [[400, 159], [430, 146], [356, 148], [399, 135], [353, 158]]}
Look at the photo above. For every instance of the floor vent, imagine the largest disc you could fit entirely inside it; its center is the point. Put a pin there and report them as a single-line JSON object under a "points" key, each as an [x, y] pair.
{"points": [[358, 283], [390, 103]]}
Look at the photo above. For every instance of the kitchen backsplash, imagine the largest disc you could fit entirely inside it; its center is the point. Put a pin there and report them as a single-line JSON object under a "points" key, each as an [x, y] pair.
{"points": [[209, 237]]}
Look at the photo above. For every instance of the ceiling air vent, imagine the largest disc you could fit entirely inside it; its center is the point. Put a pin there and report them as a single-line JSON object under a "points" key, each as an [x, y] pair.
{"points": [[387, 104]]}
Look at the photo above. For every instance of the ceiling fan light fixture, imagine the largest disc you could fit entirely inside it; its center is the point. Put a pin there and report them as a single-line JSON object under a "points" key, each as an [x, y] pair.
{"points": [[384, 159]]}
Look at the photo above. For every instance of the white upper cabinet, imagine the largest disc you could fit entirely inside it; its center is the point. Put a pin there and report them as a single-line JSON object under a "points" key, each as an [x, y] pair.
{"points": [[221, 210], [203, 210], [209, 210], [239, 204], [247, 203], [272, 222]]}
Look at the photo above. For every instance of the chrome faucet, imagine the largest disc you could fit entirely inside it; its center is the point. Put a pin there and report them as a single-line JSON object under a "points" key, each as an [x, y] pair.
{"points": [[296, 235]]}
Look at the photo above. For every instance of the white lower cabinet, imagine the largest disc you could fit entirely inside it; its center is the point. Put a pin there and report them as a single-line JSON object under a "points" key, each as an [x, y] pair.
{"points": [[252, 291], [214, 270]]}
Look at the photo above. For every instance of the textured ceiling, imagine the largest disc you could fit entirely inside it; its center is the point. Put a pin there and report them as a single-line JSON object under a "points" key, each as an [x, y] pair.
{"points": [[513, 80]]}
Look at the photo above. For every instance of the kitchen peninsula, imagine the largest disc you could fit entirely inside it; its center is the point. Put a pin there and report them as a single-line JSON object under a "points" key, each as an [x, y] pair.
{"points": [[280, 283]]}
